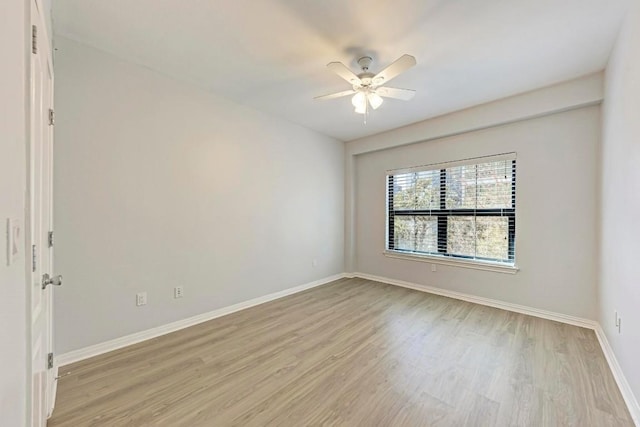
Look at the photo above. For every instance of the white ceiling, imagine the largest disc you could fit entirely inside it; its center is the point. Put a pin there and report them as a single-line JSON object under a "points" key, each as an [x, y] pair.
{"points": [[271, 54]]}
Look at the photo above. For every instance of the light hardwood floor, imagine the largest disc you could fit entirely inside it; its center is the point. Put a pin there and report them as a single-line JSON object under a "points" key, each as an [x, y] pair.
{"points": [[351, 353]]}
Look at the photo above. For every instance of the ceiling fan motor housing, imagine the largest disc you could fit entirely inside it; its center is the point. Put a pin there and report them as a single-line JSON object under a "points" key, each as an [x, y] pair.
{"points": [[365, 79]]}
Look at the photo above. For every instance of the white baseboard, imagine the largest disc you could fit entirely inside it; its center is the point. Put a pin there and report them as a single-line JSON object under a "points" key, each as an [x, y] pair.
{"points": [[558, 317], [105, 347], [623, 384]]}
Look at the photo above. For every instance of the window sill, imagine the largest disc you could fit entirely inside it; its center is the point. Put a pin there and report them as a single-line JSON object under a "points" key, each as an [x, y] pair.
{"points": [[476, 265]]}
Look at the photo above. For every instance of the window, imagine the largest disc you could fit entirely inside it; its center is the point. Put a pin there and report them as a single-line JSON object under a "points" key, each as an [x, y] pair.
{"points": [[459, 210]]}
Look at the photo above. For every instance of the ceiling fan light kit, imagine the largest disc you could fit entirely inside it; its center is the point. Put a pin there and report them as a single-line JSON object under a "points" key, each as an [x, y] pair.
{"points": [[374, 99], [367, 88]]}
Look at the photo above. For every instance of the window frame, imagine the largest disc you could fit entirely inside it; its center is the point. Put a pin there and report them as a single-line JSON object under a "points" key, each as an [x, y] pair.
{"points": [[442, 214]]}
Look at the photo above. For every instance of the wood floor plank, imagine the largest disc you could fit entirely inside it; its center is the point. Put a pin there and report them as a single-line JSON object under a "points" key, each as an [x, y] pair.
{"points": [[353, 352]]}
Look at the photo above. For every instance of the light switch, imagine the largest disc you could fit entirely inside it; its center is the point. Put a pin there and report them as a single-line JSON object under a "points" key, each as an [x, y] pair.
{"points": [[14, 236]]}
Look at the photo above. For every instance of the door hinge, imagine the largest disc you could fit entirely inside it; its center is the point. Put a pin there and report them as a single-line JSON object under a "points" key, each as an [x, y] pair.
{"points": [[34, 39], [52, 117], [33, 258], [51, 239], [50, 361]]}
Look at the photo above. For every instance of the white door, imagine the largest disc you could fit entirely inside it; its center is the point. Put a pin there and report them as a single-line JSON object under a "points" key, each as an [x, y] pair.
{"points": [[40, 219]]}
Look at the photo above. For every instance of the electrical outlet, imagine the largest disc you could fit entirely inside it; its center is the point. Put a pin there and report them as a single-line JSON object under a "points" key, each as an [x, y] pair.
{"points": [[141, 298], [618, 321], [433, 267], [314, 263], [178, 292]]}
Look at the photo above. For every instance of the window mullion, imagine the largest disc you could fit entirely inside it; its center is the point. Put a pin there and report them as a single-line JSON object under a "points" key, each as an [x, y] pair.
{"points": [[475, 216], [442, 220], [512, 219], [390, 190]]}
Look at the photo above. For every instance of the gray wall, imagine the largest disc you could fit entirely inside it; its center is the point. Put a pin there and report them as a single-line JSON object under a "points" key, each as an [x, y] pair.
{"points": [[556, 243], [620, 208], [160, 184]]}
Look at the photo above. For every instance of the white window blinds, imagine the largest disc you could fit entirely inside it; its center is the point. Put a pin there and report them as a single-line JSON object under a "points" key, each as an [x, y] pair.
{"points": [[464, 209]]}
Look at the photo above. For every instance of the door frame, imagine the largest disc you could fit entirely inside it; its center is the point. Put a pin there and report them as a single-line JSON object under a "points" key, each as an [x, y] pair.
{"points": [[37, 17]]}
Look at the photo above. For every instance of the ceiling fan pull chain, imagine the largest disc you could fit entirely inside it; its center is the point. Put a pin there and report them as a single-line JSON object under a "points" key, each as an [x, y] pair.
{"points": [[366, 110]]}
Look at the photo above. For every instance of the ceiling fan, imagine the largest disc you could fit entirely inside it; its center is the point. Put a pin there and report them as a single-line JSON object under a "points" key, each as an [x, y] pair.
{"points": [[368, 88]]}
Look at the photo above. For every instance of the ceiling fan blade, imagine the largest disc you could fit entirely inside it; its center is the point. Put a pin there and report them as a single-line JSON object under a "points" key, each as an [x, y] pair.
{"points": [[336, 95], [340, 69], [399, 66], [393, 92]]}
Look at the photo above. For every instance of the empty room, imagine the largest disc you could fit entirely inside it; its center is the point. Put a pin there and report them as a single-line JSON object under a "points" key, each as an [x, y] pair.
{"points": [[320, 213]]}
